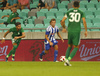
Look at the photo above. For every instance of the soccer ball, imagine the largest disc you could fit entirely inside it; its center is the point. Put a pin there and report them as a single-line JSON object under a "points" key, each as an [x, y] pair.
{"points": [[62, 58]]}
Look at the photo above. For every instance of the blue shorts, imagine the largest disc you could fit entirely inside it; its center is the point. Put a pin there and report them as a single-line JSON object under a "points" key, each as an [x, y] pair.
{"points": [[47, 46]]}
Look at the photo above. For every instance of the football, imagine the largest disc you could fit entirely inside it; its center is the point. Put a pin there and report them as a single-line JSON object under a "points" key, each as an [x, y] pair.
{"points": [[62, 58]]}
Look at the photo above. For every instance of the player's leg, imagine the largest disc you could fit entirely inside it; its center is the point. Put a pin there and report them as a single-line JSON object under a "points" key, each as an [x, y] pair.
{"points": [[55, 53], [43, 53], [68, 50], [47, 47], [12, 51], [76, 42], [73, 53], [69, 45], [15, 46], [67, 55], [67, 61]]}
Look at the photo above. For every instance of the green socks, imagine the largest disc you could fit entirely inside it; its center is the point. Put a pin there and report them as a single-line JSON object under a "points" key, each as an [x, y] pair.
{"points": [[13, 57], [68, 52], [12, 52], [73, 53]]}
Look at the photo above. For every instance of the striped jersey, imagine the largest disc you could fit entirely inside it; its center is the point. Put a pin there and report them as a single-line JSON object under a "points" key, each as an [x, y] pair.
{"points": [[50, 31]]}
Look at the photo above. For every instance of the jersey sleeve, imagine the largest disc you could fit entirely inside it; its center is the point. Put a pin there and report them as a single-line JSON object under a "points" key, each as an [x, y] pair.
{"points": [[66, 15], [83, 15], [11, 30], [22, 30], [17, 15], [57, 29], [47, 31]]}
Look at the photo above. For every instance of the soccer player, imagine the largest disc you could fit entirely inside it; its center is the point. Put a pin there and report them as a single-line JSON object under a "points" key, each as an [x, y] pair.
{"points": [[18, 33], [50, 40], [74, 28]]}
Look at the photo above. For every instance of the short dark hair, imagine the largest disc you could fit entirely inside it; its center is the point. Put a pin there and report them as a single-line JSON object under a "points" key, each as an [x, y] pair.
{"points": [[52, 20], [17, 23], [76, 4]]}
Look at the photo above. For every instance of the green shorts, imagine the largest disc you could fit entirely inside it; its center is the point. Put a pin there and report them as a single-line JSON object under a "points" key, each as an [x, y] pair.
{"points": [[16, 41], [74, 38]]}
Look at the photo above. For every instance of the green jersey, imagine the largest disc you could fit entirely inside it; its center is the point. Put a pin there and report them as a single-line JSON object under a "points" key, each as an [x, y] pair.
{"points": [[13, 15], [74, 18], [15, 32]]}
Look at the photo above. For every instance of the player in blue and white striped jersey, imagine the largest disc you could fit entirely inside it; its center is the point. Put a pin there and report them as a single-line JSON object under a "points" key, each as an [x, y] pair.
{"points": [[50, 39]]}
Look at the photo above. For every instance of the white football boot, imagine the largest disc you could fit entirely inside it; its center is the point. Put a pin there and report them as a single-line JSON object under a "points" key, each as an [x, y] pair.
{"points": [[67, 63]]}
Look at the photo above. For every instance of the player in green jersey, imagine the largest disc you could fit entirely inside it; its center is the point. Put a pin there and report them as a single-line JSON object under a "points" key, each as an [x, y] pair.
{"points": [[12, 17], [74, 28], [18, 33]]}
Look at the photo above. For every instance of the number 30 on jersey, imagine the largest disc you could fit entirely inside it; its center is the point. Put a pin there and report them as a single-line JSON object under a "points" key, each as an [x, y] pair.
{"points": [[74, 17]]}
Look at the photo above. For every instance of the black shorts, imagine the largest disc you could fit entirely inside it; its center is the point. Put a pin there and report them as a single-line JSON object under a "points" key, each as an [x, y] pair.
{"points": [[6, 23]]}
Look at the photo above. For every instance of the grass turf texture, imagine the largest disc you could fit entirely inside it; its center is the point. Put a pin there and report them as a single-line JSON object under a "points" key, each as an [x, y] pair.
{"points": [[49, 69]]}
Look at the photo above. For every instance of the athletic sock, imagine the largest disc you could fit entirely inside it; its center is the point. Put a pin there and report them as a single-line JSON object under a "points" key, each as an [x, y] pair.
{"points": [[43, 53], [68, 52], [7, 56], [72, 53], [12, 51], [13, 57], [55, 55]]}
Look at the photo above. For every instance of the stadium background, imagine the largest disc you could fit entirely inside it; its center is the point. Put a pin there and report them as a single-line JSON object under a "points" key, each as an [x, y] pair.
{"points": [[33, 44], [34, 21]]}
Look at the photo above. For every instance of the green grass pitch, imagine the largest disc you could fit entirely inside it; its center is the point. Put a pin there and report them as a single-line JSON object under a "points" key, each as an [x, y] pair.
{"points": [[49, 69]]}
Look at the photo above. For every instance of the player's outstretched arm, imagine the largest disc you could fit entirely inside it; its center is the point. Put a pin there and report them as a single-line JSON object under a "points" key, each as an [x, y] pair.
{"points": [[85, 26], [3, 40], [5, 16], [46, 36], [46, 6], [60, 36], [23, 36], [63, 24], [15, 18], [14, 5]]}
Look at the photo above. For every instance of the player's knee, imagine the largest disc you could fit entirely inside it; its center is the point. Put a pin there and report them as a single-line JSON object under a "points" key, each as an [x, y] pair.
{"points": [[46, 51], [56, 47], [76, 46], [15, 47], [69, 45]]}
